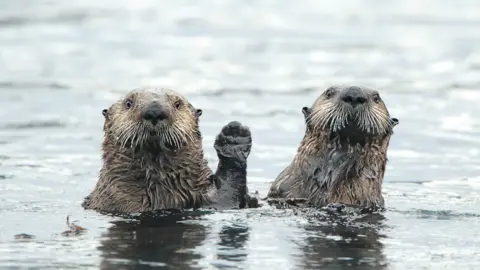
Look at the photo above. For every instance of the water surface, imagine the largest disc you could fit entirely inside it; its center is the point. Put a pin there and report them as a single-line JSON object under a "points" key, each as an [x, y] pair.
{"points": [[258, 62]]}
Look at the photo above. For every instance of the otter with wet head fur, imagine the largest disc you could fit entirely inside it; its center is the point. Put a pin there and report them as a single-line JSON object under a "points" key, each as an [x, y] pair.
{"points": [[153, 158], [341, 159]]}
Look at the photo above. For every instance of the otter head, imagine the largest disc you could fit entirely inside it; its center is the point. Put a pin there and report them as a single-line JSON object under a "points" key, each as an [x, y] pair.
{"points": [[350, 114], [152, 117]]}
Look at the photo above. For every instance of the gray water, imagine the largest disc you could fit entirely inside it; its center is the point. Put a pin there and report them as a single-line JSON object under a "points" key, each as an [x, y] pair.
{"points": [[259, 62]]}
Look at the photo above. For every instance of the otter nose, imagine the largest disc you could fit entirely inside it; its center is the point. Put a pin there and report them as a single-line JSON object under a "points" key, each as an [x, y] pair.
{"points": [[155, 114], [354, 96]]}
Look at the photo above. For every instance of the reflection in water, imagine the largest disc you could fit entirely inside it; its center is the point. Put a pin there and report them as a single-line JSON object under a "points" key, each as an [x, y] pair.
{"points": [[231, 247], [344, 243], [257, 62], [159, 243]]}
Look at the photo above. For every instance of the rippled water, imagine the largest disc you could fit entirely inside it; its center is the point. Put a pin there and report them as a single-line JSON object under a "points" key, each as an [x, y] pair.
{"points": [[259, 62]]}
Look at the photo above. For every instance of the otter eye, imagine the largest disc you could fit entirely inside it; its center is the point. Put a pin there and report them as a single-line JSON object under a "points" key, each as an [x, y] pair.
{"points": [[129, 103], [178, 104], [376, 98]]}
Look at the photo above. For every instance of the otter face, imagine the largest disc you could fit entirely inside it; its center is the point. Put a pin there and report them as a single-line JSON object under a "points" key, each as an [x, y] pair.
{"points": [[153, 116], [352, 112]]}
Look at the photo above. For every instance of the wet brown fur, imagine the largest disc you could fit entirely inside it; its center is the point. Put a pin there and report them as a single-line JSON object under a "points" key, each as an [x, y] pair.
{"points": [[140, 174], [337, 164]]}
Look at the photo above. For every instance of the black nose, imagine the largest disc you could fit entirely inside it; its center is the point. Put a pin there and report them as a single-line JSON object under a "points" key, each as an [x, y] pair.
{"points": [[155, 114], [354, 96]]}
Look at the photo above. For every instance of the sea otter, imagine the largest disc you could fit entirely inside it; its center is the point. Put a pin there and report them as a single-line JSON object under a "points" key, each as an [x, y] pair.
{"points": [[341, 159], [153, 158]]}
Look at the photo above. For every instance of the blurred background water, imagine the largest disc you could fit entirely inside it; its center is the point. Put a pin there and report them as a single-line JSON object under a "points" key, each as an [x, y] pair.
{"points": [[259, 62]]}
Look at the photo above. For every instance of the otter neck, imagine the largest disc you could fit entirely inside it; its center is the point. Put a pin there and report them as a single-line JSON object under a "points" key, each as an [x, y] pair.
{"points": [[347, 171]]}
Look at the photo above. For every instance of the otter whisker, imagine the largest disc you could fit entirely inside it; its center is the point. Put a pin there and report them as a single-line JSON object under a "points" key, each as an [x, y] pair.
{"points": [[128, 134], [378, 114], [333, 121], [364, 121], [321, 117], [177, 132], [173, 133], [173, 139], [166, 138], [144, 135], [189, 135], [161, 135], [344, 118], [136, 137], [123, 140], [366, 124], [175, 136], [329, 118], [186, 136], [372, 123], [179, 137], [375, 122], [123, 135], [341, 119], [181, 131], [133, 139], [360, 118], [159, 138]]}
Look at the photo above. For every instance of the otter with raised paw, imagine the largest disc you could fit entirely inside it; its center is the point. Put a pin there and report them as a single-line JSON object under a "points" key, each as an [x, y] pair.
{"points": [[153, 158], [341, 159]]}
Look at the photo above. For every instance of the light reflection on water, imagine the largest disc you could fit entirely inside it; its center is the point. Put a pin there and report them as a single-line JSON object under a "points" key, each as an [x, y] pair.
{"points": [[260, 63]]}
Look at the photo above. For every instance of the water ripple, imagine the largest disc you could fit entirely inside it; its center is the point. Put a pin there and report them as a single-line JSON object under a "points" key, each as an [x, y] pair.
{"points": [[63, 63]]}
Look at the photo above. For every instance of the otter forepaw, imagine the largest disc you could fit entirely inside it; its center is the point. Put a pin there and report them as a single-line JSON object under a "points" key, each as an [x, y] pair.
{"points": [[253, 200], [335, 207], [234, 142]]}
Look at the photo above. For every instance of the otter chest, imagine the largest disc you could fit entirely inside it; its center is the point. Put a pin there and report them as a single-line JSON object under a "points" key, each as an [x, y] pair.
{"points": [[169, 187]]}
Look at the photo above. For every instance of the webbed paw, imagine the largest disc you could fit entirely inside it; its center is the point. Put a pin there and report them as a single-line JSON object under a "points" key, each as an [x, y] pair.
{"points": [[335, 207], [234, 142], [253, 200]]}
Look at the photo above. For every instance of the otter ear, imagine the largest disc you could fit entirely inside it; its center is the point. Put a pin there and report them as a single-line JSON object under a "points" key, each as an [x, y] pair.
{"points": [[198, 112], [395, 121], [306, 112], [105, 113]]}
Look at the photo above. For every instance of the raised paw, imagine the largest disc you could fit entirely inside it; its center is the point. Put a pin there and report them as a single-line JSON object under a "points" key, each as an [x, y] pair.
{"points": [[234, 142]]}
